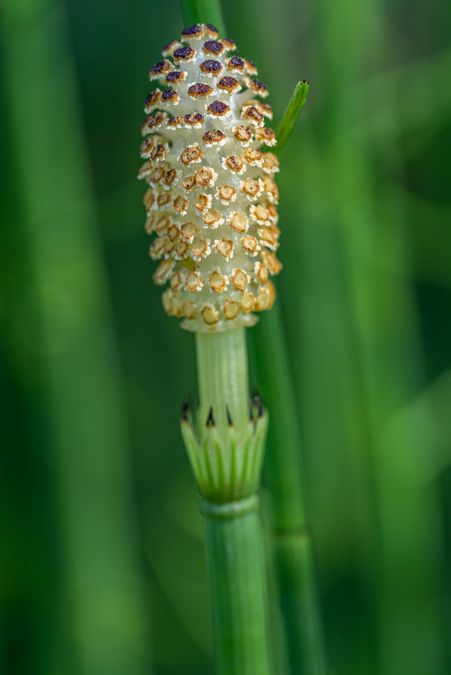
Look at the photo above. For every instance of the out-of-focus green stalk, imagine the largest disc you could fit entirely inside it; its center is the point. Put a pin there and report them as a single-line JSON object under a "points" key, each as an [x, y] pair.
{"points": [[202, 11], [283, 465], [30, 592], [382, 315], [105, 614], [291, 534], [30, 596]]}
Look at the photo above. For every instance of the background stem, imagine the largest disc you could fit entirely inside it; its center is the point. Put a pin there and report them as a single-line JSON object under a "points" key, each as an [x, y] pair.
{"points": [[202, 11], [384, 321], [70, 351], [291, 536]]}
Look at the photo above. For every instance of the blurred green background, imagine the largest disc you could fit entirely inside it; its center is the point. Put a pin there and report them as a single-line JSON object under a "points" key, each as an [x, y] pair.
{"points": [[102, 560]]}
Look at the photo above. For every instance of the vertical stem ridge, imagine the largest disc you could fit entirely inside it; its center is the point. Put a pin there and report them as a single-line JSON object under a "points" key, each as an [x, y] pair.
{"points": [[234, 538]]}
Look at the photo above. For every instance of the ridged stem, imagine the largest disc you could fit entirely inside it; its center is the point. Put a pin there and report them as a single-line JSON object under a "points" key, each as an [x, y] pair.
{"points": [[71, 336], [236, 559], [202, 11], [291, 537], [385, 324], [238, 587], [223, 376]]}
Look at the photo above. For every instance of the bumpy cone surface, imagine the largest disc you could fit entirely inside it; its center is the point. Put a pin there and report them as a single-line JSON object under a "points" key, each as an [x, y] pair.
{"points": [[211, 200]]}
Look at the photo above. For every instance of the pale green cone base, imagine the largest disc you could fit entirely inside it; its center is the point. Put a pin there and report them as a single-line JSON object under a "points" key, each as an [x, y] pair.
{"points": [[223, 376]]}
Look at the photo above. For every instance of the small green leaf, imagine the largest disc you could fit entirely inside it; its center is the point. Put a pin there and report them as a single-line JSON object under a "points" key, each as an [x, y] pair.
{"points": [[294, 109]]}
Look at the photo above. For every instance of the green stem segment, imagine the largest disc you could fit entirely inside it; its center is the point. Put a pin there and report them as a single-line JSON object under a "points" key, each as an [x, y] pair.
{"points": [[291, 538], [73, 362], [202, 11], [223, 376], [236, 559], [238, 586], [283, 473], [299, 602]]}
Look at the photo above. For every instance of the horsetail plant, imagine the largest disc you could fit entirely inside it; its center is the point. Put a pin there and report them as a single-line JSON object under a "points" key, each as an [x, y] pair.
{"points": [[212, 201], [291, 539]]}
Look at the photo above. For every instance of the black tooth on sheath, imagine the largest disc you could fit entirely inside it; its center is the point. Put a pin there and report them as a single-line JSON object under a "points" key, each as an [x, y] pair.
{"points": [[210, 419], [229, 417], [257, 402], [186, 410]]}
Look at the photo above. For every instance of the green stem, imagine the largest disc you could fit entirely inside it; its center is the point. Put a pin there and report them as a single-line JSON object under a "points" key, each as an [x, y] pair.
{"points": [[223, 376], [384, 322], [234, 543], [291, 537], [202, 11], [235, 548], [72, 338], [299, 602], [283, 470], [238, 587]]}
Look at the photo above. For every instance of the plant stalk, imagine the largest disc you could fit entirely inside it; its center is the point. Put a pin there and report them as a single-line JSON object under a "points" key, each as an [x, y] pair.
{"points": [[237, 581], [385, 324], [223, 376], [71, 336], [235, 549], [292, 541], [202, 11]]}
